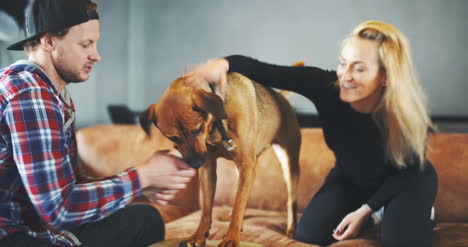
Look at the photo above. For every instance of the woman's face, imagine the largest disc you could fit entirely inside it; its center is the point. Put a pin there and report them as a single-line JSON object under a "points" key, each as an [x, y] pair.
{"points": [[360, 76]]}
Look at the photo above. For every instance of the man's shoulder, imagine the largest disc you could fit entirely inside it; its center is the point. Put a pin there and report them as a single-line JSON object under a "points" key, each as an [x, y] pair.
{"points": [[18, 78]]}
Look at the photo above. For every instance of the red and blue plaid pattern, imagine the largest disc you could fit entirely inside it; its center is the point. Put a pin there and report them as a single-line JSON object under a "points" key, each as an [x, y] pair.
{"points": [[40, 193]]}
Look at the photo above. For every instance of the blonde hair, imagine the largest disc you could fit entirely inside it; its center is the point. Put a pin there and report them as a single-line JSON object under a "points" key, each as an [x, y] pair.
{"points": [[401, 115]]}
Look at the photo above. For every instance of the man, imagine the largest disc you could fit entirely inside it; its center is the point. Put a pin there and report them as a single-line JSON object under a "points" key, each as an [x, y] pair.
{"points": [[42, 202]]}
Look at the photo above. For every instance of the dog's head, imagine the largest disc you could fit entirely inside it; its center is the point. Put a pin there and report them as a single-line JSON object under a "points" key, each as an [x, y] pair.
{"points": [[185, 115]]}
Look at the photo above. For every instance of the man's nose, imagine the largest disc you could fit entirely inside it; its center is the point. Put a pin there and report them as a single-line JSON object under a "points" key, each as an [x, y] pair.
{"points": [[95, 56]]}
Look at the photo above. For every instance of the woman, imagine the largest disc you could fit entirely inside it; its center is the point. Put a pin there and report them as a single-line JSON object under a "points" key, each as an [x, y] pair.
{"points": [[374, 118]]}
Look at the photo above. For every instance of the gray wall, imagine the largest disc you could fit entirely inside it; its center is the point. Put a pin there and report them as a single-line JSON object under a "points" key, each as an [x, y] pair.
{"points": [[146, 44]]}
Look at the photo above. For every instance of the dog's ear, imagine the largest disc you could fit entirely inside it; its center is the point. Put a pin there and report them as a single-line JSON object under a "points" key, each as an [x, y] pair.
{"points": [[148, 118], [209, 102]]}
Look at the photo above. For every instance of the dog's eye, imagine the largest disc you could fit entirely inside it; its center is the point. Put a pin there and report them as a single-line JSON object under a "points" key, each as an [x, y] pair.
{"points": [[197, 109], [175, 139], [198, 131]]}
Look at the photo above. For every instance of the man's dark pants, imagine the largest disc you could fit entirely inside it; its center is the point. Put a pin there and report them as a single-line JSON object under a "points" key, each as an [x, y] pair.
{"points": [[133, 226]]}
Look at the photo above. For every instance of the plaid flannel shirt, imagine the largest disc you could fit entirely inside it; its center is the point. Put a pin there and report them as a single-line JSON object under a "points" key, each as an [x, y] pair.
{"points": [[39, 189]]}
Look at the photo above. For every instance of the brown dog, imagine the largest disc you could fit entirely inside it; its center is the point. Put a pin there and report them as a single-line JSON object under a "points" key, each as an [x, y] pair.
{"points": [[255, 117]]}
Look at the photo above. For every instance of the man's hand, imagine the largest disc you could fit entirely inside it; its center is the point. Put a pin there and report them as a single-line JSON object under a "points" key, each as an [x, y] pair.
{"points": [[351, 223], [166, 174], [162, 197], [212, 72]]}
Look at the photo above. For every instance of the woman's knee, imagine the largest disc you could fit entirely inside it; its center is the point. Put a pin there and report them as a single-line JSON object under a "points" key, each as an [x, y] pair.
{"points": [[406, 241], [406, 234], [308, 232]]}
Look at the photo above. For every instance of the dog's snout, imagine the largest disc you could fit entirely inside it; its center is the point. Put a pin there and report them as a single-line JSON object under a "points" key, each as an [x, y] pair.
{"points": [[196, 161]]}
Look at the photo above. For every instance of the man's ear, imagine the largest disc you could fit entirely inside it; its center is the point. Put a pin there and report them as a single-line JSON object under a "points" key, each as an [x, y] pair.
{"points": [[209, 102], [48, 42], [148, 118]]}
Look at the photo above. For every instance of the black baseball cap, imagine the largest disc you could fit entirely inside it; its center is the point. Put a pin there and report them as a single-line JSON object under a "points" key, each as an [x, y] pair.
{"points": [[42, 16]]}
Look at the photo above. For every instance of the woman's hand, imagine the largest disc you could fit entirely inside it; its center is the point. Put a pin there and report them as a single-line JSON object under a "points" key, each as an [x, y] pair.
{"points": [[213, 72], [351, 223]]}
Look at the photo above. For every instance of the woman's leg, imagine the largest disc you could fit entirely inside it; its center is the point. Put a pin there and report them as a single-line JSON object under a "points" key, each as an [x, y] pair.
{"points": [[326, 210], [407, 216], [135, 225]]}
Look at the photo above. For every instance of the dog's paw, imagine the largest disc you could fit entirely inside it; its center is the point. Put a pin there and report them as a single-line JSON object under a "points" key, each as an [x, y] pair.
{"points": [[229, 243], [226, 217], [291, 232], [193, 242]]}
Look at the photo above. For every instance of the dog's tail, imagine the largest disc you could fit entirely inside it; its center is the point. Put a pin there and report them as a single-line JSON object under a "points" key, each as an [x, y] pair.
{"points": [[298, 63], [286, 93]]}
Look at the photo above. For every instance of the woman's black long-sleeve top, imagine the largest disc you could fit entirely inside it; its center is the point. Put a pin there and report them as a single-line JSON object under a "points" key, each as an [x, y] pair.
{"points": [[353, 137]]}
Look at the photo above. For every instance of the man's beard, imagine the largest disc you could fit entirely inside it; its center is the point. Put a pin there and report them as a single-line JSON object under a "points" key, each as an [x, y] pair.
{"points": [[68, 75]]}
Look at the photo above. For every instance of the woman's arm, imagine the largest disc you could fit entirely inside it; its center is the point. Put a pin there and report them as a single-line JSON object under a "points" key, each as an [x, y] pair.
{"points": [[307, 81]]}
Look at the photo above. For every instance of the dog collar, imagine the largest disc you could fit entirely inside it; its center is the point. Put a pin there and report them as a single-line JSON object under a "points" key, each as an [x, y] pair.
{"points": [[227, 142], [218, 124]]}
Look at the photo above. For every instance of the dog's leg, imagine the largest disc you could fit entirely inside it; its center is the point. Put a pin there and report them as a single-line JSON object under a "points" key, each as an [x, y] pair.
{"points": [[227, 217], [289, 161], [246, 165], [207, 177]]}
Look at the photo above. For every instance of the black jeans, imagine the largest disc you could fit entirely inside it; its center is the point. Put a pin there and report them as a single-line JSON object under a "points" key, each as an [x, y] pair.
{"points": [[133, 226], [406, 217]]}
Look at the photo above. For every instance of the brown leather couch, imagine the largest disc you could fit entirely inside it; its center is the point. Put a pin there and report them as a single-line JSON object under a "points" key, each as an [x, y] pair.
{"points": [[106, 150]]}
